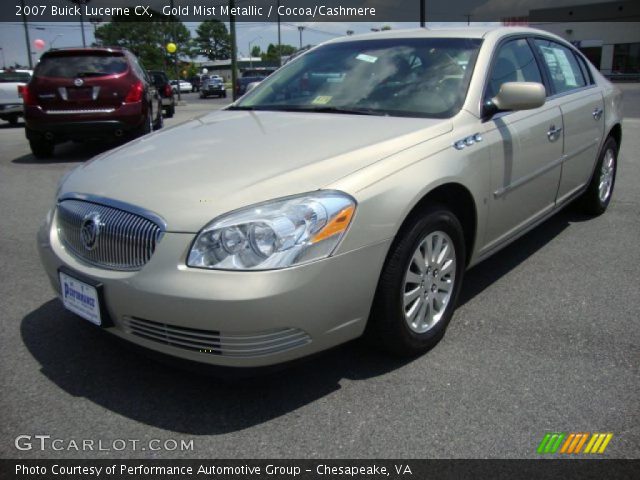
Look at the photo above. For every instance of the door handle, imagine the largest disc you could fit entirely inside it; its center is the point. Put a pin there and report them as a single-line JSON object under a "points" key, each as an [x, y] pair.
{"points": [[553, 133], [597, 113]]}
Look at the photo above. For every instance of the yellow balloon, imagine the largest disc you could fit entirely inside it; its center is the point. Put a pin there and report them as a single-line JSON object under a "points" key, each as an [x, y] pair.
{"points": [[171, 47]]}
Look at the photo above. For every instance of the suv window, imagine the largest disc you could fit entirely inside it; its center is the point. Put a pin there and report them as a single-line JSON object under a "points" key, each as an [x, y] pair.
{"points": [[75, 66], [565, 72], [515, 62]]}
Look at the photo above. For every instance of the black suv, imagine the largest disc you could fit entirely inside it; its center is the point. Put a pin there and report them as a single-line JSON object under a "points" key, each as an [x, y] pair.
{"points": [[165, 89]]}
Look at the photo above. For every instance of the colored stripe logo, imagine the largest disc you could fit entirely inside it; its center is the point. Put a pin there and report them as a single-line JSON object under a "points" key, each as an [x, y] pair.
{"points": [[574, 443]]}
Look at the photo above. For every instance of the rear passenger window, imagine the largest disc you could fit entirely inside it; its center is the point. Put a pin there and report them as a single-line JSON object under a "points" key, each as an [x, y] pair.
{"points": [[515, 63], [563, 66]]}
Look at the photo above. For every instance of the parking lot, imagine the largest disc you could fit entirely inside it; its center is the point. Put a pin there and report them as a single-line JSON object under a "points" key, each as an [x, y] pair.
{"points": [[546, 339]]}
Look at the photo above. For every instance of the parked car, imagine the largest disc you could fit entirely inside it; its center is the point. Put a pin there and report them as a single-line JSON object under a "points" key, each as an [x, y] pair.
{"points": [[161, 82], [213, 86], [12, 82], [243, 82], [183, 85], [86, 93], [374, 189]]}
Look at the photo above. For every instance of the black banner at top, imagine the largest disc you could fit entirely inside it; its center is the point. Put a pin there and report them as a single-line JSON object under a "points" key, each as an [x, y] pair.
{"points": [[467, 11]]}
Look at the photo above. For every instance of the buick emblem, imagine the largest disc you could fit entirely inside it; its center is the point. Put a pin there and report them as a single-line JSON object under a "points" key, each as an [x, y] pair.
{"points": [[78, 82], [90, 230]]}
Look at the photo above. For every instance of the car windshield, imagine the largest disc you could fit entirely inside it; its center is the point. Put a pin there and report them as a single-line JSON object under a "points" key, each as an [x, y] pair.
{"points": [[77, 66], [420, 77]]}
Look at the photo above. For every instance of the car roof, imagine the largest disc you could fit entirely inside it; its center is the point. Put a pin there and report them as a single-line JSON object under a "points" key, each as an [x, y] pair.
{"points": [[83, 50], [450, 32]]}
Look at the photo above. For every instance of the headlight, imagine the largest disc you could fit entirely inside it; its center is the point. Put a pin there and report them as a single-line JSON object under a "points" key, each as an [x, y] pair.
{"points": [[276, 234]]}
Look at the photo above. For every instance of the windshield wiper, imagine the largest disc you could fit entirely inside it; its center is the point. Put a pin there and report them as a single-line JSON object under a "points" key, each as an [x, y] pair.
{"points": [[296, 108]]}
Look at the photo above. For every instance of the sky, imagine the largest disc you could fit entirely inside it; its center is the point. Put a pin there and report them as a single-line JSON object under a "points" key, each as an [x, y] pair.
{"points": [[68, 34]]}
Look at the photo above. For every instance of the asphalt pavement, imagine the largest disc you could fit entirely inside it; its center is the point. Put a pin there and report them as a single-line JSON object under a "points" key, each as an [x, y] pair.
{"points": [[545, 339]]}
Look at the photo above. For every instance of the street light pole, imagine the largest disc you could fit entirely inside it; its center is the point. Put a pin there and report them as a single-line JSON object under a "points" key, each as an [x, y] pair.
{"points": [[300, 29], [279, 38]]}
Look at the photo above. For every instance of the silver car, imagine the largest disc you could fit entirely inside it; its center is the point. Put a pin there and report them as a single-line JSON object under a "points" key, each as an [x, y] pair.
{"points": [[345, 195]]}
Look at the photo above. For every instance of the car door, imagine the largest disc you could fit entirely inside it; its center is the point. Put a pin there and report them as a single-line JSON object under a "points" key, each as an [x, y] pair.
{"points": [[582, 108], [526, 148]]}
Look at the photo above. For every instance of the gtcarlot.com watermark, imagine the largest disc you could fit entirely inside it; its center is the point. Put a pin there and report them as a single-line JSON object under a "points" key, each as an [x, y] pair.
{"points": [[49, 443]]}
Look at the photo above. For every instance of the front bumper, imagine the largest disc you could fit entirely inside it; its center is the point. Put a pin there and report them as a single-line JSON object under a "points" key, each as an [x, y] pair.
{"points": [[253, 319]]}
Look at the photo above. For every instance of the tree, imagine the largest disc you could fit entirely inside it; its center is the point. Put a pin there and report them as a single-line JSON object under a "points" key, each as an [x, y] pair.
{"points": [[271, 55], [147, 39], [256, 51], [213, 40], [384, 28]]}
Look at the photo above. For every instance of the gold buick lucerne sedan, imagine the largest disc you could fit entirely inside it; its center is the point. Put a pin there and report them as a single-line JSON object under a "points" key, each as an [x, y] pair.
{"points": [[345, 195]]}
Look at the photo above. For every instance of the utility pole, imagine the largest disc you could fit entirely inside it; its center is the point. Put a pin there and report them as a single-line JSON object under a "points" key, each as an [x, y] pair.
{"points": [[423, 14], [81, 3], [279, 37], [300, 29], [26, 35], [175, 54], [234, 56]]}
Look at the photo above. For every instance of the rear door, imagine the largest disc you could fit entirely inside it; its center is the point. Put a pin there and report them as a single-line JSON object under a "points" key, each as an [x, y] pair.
{"points": [[582, 106], [81, 80], [526, 149]]}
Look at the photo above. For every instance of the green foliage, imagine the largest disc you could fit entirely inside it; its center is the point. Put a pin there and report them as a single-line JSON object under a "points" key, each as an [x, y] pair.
{"points": [[213, 40], [255, 51], [271, 55], [147, 39]]}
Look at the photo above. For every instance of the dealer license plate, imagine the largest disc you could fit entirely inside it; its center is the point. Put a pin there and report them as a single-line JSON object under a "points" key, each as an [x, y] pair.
{"points": [[80, 298]]}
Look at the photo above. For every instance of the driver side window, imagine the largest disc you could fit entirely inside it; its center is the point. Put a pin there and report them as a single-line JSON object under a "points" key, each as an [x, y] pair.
{"points": [[515, 62]]}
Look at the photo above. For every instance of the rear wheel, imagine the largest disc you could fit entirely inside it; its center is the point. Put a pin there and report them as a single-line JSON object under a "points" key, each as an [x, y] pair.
{"points": [[159, 123], [598, 195], [41, 148], [419, 284], [13, 119], [170, 111]]}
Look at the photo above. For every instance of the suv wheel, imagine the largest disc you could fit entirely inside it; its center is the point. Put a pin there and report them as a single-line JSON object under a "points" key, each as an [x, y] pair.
{"points": [[170, 111], [159, 123], [419, 284], [41, 148]]}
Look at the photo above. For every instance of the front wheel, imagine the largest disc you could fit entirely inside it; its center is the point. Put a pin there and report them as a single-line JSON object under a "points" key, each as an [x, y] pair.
{"points": [[419, 284], [598, 195]]}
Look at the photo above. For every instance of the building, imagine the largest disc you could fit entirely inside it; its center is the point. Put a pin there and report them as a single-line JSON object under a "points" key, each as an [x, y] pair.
{"points": [[608, 33]]}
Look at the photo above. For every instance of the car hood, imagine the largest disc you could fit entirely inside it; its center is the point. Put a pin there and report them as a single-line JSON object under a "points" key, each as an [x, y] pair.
{"points": [[205, 167]]}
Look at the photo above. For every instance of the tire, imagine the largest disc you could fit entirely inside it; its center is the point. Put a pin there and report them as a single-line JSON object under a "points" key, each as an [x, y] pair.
{"points": [[41, 148], [146, 127], [595, 200], [159, 123], [401, 321], [13, 119], [202, 95], [170, 111], [224, 95]]}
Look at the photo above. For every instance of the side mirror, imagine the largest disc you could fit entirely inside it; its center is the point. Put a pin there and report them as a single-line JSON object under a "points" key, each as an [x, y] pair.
{"points": [[519, 96]]}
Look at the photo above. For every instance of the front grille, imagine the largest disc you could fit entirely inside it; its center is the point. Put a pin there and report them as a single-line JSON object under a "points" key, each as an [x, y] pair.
{"points": [[217, 343], [122, 241]]}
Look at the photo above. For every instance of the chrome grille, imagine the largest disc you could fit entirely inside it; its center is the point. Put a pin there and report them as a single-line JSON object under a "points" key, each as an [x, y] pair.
{"points": [[217, 343], [126, 241]]}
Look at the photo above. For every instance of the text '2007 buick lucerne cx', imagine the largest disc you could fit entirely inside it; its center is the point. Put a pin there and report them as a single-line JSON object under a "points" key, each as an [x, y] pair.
{"points": [[388, 164]]}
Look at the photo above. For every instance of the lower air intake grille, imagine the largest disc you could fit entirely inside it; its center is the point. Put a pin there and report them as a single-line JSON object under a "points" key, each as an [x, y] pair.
{"points": [[218, 343]]}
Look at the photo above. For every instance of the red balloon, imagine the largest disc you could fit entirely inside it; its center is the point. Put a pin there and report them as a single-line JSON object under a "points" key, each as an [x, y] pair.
{"points": [[38, 43]]}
